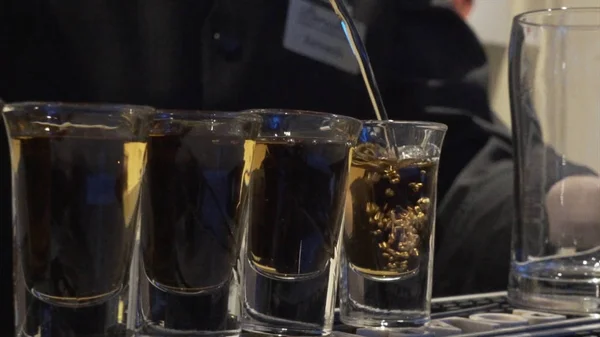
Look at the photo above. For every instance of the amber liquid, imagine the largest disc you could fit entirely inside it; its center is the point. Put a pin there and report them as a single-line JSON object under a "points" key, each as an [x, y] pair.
{"points": [[192, 200], [389, 216], [76, 201], [296, 206]]}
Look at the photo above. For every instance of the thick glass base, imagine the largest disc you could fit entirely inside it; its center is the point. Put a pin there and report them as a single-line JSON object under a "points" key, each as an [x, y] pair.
{"points": [[369, 302], [289, 307], [273, 329], [554, 295], [255, 322], [560, 304], [106, 319], [165, 313], [175, 315], [155, 331], [377, 319]]}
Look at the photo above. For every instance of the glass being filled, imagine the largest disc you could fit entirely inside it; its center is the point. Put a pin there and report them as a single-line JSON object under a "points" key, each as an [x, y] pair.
{"points": [[389, 222]]}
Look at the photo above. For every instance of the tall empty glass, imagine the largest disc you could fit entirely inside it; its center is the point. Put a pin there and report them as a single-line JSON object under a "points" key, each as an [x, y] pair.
{"points": [[291, 254], [194, 191], [76, 176], [389, 225], [555, 99]]}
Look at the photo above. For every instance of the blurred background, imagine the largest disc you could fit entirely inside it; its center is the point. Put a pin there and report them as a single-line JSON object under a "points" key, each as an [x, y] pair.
{"points": [[491, 20]]}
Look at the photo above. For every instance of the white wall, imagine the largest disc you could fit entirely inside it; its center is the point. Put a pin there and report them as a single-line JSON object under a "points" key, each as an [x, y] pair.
{"points": [[491, 20], [580, 110]]}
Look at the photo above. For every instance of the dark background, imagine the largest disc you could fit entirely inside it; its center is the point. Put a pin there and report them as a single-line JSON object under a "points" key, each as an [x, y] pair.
{"points": [[227, 55]]}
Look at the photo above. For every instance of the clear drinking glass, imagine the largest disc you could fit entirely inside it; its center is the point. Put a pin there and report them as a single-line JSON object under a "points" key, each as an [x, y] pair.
{"points": [[555, 100], [195, 186], [389, 225], [291, 253], [76, 177]]}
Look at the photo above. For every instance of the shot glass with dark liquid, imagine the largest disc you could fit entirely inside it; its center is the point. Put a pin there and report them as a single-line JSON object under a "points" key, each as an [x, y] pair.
{"points": [[291, 254], [389, 221], [195, 187], [76, 176]]}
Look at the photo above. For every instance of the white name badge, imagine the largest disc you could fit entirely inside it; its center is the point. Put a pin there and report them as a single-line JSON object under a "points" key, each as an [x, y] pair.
{"points": [[315, 32]]}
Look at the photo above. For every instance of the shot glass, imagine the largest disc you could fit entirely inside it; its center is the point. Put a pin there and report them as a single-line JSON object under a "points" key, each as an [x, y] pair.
{"points": [[195, 187], [291, 254], [76, 177], [389, 225]]}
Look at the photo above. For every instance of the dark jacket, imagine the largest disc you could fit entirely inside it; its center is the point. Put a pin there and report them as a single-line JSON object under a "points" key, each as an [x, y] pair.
{"points": [[228, 55]]}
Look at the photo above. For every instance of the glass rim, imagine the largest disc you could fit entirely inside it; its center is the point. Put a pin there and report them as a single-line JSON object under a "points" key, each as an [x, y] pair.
{"points": [[198, 115], [299, 112], [89, 107], [521, 18], [423, 124]]}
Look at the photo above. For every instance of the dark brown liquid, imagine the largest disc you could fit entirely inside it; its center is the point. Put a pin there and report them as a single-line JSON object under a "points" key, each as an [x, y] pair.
{"points": [[389, 216], [76, 201], [192, 199], [296, 206]]}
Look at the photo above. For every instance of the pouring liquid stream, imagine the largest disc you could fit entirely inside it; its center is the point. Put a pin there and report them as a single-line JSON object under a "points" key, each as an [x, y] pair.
{"points": [[360, 52], [362, 57]]}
